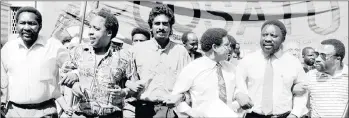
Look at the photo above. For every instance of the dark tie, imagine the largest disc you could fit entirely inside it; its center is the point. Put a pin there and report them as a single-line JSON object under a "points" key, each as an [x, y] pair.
{"points": [[267, 97], [221, 84]]}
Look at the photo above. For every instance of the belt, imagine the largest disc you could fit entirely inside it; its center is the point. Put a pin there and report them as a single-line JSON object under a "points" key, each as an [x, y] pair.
{"points": [[149, 103], [35, 106], [283, 115]]}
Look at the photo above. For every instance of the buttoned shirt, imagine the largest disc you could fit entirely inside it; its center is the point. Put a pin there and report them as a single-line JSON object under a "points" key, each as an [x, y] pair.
{"points": [[288, 71], [200, 78], [32, 73], [96, 76], [158, 68], [328, 94]]}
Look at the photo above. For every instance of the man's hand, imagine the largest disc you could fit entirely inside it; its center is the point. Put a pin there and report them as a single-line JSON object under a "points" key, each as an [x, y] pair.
{"points": [[172, 100], [69, 79], [134, 86], [292, 116], [299, 89], [117, 93], [244, 101]]}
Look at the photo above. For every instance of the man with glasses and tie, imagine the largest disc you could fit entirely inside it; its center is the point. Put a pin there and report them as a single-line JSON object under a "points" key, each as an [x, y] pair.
{"points": [[264, 79], [328, 84], [209, 79]]}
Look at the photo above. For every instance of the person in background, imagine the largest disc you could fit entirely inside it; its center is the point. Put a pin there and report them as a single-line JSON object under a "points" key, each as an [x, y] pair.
{"points": [[308, 55], [30, 69], [101, 71], [190, 41], [140, 35], [158, 62], [264, 85]]}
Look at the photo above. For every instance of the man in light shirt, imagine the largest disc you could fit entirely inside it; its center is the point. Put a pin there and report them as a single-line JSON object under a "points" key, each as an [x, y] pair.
{"points": [[328, 84], [308, 55], [264, 78], [30, 66], [158, 62], [209, 79]]}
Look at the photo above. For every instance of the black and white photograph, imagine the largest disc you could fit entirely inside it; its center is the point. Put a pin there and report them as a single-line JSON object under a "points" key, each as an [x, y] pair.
{"points": [[174, 59]]}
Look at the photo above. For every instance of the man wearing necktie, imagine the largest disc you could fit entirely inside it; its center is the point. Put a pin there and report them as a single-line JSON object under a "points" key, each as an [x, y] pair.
{"points": [[208, 79], [264, 79]]}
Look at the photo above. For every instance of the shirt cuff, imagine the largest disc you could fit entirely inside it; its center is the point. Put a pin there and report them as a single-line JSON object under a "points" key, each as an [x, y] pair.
{"points": [[183, 107]]}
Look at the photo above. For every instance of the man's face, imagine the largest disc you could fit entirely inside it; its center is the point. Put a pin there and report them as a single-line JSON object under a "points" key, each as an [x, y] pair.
{"points": [[98, 34], [138, 38], [271, 39], [28, 27], [309, 57], [222, 51], [326, 59], [161, 27], [192, 44]]}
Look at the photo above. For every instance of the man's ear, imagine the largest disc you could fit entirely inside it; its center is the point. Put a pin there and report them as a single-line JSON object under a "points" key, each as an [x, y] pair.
{"points": [[214, 47], [109, 33]]}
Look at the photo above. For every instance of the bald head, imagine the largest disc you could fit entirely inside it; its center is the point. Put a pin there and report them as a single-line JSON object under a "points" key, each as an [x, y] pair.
{"points": [[190, 41]]}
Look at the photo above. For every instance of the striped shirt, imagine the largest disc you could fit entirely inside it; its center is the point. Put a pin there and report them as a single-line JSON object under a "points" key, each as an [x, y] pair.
{"points": [[328, 94]]}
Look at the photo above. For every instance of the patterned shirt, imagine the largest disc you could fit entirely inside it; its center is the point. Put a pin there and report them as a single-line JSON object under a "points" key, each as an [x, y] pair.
{"points": [[328, 94], [95, 77]]}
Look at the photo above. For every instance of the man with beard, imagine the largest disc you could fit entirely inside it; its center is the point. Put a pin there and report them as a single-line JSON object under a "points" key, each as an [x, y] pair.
{"points": [[308, 55], [264, 84], [158, 62], [328, 84], [190, 42], [29, 68]]}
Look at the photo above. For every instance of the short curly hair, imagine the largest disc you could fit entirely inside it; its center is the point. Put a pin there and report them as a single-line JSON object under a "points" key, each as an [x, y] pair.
{"points": [[111, 22], [232, 41], [212, 36], [338, 47], [138, 30], [278, 24], [31, 10], [158, 10]]}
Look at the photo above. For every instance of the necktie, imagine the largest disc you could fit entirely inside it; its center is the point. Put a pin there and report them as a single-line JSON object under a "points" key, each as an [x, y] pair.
{"points": [[221, 84], [267, 96]]}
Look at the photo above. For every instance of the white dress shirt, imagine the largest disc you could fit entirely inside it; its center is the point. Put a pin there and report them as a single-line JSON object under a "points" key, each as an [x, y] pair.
{"points": [[328, 94], [201, 80], [32, 73], [288, 71]]}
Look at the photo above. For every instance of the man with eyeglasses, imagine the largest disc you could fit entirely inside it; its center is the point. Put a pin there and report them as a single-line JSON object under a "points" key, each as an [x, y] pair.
{"points": [[329, 82]]}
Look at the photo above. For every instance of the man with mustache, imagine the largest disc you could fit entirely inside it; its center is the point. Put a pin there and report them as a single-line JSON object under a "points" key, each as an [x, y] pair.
{"points": [[158, 62], [308, 55], [30, 68], [264, 78], [102, 70], [190, 41], [328, 86]]}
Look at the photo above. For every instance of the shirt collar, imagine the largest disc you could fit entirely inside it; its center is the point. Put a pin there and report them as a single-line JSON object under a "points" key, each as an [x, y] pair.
{"points": [[39, 41], [158, 47], [344, 72], [209, 62]]}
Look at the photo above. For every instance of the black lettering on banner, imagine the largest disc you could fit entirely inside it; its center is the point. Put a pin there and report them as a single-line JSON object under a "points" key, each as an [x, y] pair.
{"points": [[226, 16], [137, 16], [246, 17], [335, 18], [287, 16], [193, 23]]}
